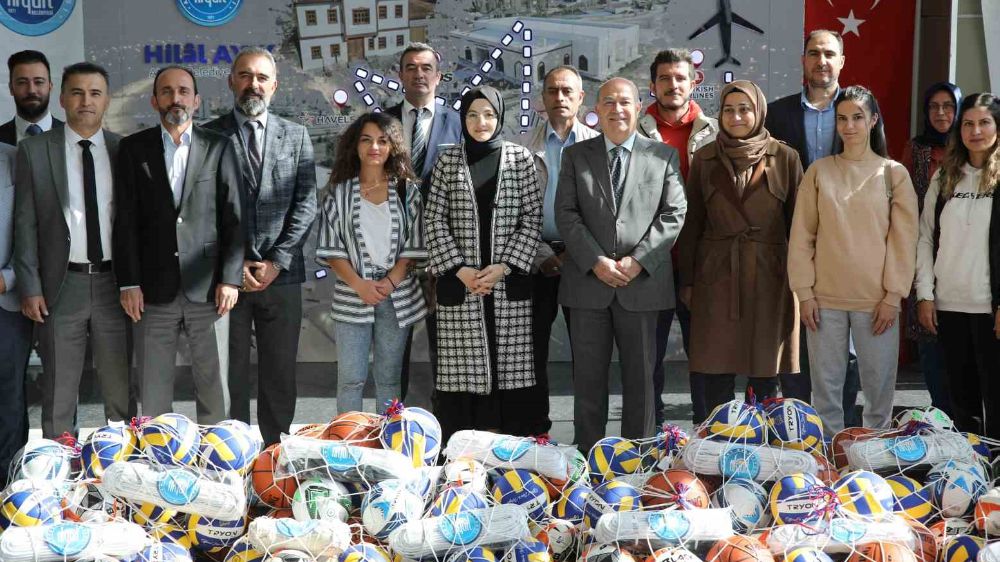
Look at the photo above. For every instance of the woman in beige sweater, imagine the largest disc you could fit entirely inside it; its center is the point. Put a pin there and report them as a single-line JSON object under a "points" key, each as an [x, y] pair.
{"points": [[852, 253]]}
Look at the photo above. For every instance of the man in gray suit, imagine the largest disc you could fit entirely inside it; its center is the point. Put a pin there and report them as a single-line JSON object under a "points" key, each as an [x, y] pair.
{"points": [[64, 196], [179, 246], [619, 208], [279, 206]]}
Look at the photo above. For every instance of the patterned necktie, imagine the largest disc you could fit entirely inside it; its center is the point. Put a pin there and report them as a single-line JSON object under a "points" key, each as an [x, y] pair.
{"points": [[253, 147], [95, 253], [617, 185], [418, 145]]}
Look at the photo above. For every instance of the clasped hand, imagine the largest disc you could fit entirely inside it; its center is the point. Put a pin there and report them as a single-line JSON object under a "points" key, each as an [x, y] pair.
{"points": [[619, 273], [481, 281]]}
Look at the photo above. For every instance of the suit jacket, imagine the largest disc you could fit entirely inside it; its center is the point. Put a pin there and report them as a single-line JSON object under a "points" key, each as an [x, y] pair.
{"points": [[446, 130], [41, 224], [647, 224], [279, 210], [786, 121], [8, 299], [8, 131], [164, 249]]}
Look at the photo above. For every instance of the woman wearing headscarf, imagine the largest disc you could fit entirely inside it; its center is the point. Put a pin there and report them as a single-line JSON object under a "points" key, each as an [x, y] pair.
{"points": [[483, 220], [733, 249], [922, 156]]}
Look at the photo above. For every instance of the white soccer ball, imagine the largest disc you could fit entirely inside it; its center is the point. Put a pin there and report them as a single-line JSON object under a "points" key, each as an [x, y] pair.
{"points": [[321, 499], [388, 505], [748, 501]]}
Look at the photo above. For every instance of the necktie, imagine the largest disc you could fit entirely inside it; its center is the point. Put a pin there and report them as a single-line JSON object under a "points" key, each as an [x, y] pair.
{"points": [[418, 146], [33, 130], [617, 185], [253, 147], [94, 252]]}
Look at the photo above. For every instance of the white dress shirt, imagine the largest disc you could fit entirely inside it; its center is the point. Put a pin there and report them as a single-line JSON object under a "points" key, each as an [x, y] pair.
{"points": [[21, 125], [77, 207], [426, 118], [175, 157]]}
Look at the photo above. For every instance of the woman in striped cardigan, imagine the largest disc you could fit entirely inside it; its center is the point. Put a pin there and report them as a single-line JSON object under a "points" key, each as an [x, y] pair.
{"points": [[371, 233]]}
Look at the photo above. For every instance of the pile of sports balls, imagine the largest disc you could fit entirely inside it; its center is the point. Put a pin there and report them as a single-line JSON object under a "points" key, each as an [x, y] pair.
{"points": [[755, 483]]}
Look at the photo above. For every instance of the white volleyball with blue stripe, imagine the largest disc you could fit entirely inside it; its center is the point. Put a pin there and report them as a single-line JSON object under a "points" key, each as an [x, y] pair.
{"points": [[735, 421], [26, 504], [171, 439], [457, 499], [206, 533], [864, 493], [794, 424], [363, 552], [106, 445], [43, 460], [747, 501], [613, 495], [956, 487], [793, 499], [388, 505], [524, 488], [230, 445], [415, 432]]}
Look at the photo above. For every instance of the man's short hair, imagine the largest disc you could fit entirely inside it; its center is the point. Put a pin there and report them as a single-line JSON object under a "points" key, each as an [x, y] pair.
{"points": [[418, 47], [635, 89], [254, 51], [175, 67], [27, 57], [672, 56], [563, 68], [815, 32], [84, 68]]}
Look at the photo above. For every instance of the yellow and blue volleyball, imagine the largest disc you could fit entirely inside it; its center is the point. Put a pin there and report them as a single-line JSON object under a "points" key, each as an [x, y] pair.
{"points": [[363, 552], [864, 493], [735, 421], [416, 433], [961, 548], [206, 533], [529, 550], [108, 444], [475, 554], [613, 456], [794, 424], [807, 554], [244, 551], [165, 552], [29, 506], [152, 515], [231, 445], [171, 439], [911, 498], [611, 496], [792, 499], [956, 487], [457, 499], [571, 504], [172, 534], [982, 449], [525, 488]]}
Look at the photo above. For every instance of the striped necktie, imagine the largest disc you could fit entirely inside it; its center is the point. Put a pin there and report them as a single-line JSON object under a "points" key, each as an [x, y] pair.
{"points": [[418, 146], [617, 185]]}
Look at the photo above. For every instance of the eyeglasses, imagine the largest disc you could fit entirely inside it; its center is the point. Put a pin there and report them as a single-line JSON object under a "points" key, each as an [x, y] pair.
{"points": [[945, 107]]}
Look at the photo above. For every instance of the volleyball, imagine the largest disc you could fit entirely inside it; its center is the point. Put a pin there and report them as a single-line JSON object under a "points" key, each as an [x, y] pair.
{"points": [[675, 487], [613, 456], [244, 551], [388, 505], [792, 499], [524, 488], [321, 499], [475, 554], [956, 488], [747, 501], [962, 548], [171, 533], [970, 466], [468, 473], [416, 433], [807, 554], [28, 506], [528, 550], [165, 552], [106, 445], [231, 445], [735, 421], [43, 460], [882, 552], [151, 515], [611, 496], [457, 500], [364, 552], [864, 493], [170, 439], [206, 533], [982, 449], [571, 503], [911, 498], [795, 424]]}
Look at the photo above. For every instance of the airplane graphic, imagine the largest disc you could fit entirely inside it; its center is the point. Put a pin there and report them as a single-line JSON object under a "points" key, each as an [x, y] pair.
{"points": [[725, 18]]}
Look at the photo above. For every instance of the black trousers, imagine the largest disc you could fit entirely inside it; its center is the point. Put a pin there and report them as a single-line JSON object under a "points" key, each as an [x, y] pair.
{"points": [[545, 310], [719, 389], [972, 361]]}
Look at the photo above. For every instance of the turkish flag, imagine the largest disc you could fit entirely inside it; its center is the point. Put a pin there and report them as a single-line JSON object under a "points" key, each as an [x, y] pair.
{"points": [[878, 44]]}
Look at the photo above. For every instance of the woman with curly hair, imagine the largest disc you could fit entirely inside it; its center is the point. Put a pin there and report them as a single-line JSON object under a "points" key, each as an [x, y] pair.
{"points": [[371, 232]]}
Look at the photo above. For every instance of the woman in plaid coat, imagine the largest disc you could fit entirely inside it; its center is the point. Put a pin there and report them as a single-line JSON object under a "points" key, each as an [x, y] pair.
{"points": [[483, 219]]}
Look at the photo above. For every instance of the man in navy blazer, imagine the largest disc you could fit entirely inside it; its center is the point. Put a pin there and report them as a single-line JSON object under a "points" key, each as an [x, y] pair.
{"points": [[428, 128]]}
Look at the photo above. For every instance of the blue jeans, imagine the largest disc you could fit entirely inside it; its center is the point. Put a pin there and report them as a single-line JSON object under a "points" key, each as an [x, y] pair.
{"points": [[354, 342]]}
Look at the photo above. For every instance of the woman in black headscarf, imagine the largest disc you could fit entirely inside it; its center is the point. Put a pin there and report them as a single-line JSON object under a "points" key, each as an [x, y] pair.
{"points": [[483, 219]]}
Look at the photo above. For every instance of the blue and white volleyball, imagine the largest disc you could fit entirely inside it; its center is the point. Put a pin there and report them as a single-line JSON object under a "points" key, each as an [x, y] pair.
{"points": [[43, 460], [244, 551], [171, 439], [321, 499], [794, 424], [206, 533], [735, 421], [388, 505], [609, 497], [111, 443], [955, 489], [747, 501], [27, 505], [792, 499], [864, 493], [612, 457], [525, 488], [912, 498], [364, 552], [528, 550], [973, 466], [570, 505], [165, 552], [415, 432], [231, 445], [474, 554], [457, 500]]}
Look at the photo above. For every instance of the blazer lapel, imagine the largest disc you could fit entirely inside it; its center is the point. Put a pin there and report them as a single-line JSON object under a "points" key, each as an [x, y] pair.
{"points": [[196, 158], [273, 139], [634, 173], [599, 167], [232, 127], [57, 161]]}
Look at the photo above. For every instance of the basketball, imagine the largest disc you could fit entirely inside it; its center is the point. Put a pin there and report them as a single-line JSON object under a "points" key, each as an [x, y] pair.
{"points": [[675, 487], [359, 428], [882, 552], [926, 546], [738, 548], [275, 493], [313, 430], [827, 473]]}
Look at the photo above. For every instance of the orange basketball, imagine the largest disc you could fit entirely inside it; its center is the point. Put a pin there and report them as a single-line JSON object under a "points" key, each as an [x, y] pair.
{"points": [[275, 493], [314, 430], [359, 428], [826, 472], [882, 552], [283, 513], [926, 547], [844, 438], [739, 548], [675, 487]]}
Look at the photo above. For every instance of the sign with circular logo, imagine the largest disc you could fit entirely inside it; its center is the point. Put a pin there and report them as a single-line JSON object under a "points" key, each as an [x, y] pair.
{"points": [[67, 539], [847, 531], [460, 528], [178, 487], [35, 17], [909, 449], [670, 526], [291, 528], [340, 458], [209, 13], [738, 461], [509, 449]]}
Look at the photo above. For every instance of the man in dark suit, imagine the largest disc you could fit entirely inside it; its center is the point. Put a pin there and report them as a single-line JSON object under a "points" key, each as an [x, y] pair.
{"points": [[806, 121], [30, 85], [63, 252], [279, 206], [179, 246], [619, 207], [428, 128]]}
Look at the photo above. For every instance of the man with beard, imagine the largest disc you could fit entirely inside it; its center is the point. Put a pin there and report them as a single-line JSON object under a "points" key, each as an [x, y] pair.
{"points": [[179, 246], [64, 201], [806, 120], [678, 121], [279, 205], [30, 86]]}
